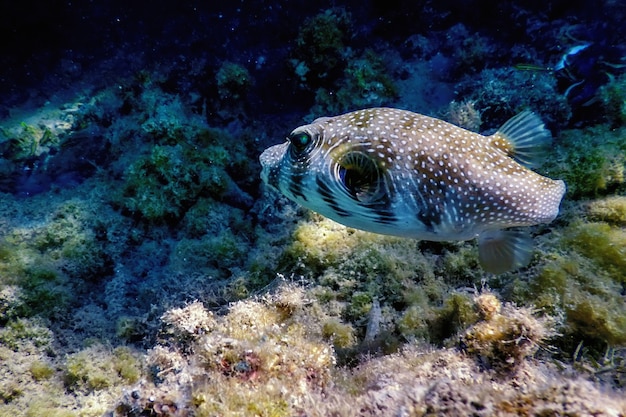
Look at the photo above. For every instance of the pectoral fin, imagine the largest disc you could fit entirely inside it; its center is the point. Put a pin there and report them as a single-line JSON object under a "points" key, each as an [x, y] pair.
{"points": [[500, 251]]}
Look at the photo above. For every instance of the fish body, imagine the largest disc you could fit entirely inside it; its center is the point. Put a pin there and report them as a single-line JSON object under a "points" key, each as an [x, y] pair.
{"points": [[396, 172]]}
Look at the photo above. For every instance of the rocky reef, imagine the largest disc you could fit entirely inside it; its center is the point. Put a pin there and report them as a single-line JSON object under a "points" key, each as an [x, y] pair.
{"points": [[146, 271]]}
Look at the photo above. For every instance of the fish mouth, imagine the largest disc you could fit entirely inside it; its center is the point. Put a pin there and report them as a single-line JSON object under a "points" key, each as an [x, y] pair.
{"points": [[360, 176], [270, 160]]}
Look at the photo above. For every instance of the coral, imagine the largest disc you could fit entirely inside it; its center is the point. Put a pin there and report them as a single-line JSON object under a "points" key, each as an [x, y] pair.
{"points": [[189, 322], [320, 54], [242, 361], [233, 82], [500, 93], [503, 340], [469, 52], [365, 83], [258, 359], [464, 114], [196, 270]]}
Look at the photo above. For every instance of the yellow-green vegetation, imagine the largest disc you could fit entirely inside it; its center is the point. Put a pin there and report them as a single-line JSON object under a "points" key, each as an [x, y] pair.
{"points": [[38, 263], [41, 370], [30, 141], [352, 268], [82, 384], [613, 98], [364, 329], [507, 335], [24, 334], [47, 259], [162, 186], [268, 357], [601, 243], [591, 161], [611, 210], [580, 279], [581, 272], [437, 322], [259, 359], [98, 367], [341, 334]]}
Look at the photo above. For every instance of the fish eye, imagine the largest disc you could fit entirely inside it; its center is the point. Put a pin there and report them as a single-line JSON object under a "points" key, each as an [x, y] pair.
{"points": [[300, 141]]}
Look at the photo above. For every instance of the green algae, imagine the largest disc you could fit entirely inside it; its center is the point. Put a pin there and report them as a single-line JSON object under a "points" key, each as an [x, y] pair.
{"points": [[603, 244], [365, 83], [96, 368], [612, 95], [591, 161], [41, 370], [320, 53], [339, 76], [30, 141], [161, 187], [580, 280], [340, 334], [233, 82], [22, 333], [611, 210]]}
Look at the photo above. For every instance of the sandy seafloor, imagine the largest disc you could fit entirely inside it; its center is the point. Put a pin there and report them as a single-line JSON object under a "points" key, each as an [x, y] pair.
{"points": [[145, 270]]}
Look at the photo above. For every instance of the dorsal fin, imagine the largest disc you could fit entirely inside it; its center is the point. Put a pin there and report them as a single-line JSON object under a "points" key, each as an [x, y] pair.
{"points": [[524, 138]]}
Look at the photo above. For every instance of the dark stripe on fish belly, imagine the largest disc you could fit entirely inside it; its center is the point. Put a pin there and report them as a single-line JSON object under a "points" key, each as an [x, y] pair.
{"points": [[295, 188], [385, 216], [327, 196], [430, 219]]}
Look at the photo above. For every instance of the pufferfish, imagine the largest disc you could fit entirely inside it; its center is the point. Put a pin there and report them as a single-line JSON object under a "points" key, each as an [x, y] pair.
{"points": [[395, 172]]}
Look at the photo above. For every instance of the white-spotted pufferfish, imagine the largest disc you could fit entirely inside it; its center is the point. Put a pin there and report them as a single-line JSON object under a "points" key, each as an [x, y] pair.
{"points": [[400, 173]]}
